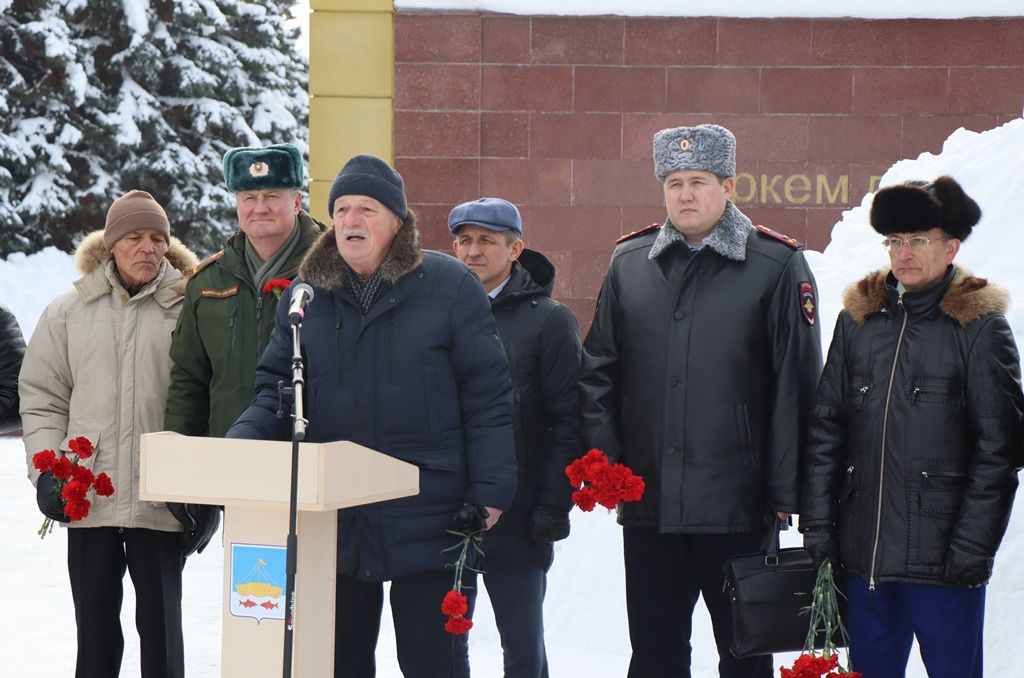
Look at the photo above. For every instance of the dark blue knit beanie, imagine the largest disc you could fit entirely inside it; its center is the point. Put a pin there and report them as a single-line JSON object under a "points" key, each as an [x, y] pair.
{"points": [[369, 175]]}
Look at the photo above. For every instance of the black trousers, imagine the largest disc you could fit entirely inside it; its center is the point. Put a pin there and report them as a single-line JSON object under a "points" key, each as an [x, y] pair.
{"points": [[665, 573], [425, 649], [517, 592], [97, 560]]}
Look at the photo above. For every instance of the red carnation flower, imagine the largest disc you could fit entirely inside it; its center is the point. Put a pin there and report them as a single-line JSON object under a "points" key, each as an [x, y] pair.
{"points": [[74, 491], [277, 286], [458, 625], [81, 446], [77, 510], [104, 487], [61, 469], [44, 461], [82, 475], [586, 499], [454, 604]]}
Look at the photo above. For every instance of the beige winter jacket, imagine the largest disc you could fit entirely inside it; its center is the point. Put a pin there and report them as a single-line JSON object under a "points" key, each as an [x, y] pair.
{"points": [[98, 365]]}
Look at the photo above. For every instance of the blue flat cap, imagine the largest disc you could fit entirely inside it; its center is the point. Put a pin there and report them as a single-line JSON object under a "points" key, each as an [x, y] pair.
{"points": [[493, 214]]}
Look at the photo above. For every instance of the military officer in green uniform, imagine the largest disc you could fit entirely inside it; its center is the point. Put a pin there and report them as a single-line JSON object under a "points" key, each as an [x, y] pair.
{"points": [[229, 307]]}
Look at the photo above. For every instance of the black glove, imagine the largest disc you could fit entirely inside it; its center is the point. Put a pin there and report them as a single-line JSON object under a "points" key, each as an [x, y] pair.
{"points": [[470, 518], [966, 568], [548, 524], [822, 546], [199, 522], [48, 498]]}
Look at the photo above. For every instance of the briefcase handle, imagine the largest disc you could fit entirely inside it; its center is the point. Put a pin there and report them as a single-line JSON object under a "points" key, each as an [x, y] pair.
{"points": [[770, 545]]}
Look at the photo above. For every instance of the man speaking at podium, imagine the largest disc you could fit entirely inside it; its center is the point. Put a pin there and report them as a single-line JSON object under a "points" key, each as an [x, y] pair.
{"points": [[402, 356]]}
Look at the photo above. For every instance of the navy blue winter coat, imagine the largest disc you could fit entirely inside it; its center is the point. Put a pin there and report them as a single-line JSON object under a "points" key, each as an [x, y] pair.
{"points": [[422, 377]]}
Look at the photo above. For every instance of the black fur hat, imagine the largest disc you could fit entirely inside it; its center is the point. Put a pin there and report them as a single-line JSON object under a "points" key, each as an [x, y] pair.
{"points": [[916, 206]]}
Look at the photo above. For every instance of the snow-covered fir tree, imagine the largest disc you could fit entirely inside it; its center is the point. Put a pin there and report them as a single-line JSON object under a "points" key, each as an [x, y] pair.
{"points": [[104, 96]]}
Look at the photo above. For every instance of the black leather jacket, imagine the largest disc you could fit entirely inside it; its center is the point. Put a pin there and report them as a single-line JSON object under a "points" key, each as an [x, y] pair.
{"points": [[12, 350], [542, 342], [699, 372], [915, 437]]}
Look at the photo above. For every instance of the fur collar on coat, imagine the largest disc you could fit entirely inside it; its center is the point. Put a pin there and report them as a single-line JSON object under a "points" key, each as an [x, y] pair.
{"points": [[728, 239], [967, 298], [323, 266], [92, 254]]}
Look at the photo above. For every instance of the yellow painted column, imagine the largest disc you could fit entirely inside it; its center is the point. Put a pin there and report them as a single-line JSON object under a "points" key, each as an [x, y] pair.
{"points": [[351, 88]]}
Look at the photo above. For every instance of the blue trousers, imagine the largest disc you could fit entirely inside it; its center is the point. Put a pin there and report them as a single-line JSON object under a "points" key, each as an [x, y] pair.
{"points": [[947, 621], [517, 592], [425, 649]]}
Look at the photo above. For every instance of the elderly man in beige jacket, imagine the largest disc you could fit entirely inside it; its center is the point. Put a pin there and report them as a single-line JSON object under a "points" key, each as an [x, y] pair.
{"points": [[98, 366]]}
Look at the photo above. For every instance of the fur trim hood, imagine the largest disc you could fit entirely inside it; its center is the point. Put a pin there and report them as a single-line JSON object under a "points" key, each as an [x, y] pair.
{"points": [[966, 299], [323, 266], [91, 254]]}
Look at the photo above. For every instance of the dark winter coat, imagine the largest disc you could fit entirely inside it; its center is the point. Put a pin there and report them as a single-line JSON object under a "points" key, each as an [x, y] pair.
{"points": [[699, 372], [421, 377], [542, 342], [916, 430], [221, 333], [12, 350]]}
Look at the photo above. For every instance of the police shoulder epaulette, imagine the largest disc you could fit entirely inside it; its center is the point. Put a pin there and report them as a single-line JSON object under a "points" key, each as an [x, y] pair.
{"points": [[204, 263], [781, 237], [630, 236]]}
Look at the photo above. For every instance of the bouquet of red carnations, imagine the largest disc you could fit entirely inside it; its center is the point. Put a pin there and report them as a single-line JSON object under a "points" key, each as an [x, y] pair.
{"points": [[73, 480], [598, 482]]}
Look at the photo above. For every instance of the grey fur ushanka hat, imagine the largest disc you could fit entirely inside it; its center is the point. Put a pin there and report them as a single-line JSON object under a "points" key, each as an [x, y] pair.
{"points": [[711, 148]]}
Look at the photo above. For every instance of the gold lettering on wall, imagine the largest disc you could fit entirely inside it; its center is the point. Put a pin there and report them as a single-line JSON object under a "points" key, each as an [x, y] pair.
{"points": [[798, 189]]}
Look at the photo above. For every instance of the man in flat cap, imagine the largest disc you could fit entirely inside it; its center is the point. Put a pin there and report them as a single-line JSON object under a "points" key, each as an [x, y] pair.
{"points": [[542, 341], [698, 373], [229, 306], [404, 358], [914, 444]]}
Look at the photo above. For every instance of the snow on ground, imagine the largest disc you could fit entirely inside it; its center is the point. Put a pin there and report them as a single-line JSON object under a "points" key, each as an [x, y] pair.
{"points": [[585, 609]]}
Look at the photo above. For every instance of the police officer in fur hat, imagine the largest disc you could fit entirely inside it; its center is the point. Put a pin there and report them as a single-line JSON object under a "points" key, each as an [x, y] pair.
{"points": [[229, 303], [911, 464], [698, 373]]}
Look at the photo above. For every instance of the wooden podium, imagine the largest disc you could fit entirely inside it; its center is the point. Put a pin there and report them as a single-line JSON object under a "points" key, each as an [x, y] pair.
{"points": [[250, 479]]}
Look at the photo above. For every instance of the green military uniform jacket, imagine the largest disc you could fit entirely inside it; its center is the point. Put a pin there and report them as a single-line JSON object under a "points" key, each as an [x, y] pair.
{"points": [[221, 333]]}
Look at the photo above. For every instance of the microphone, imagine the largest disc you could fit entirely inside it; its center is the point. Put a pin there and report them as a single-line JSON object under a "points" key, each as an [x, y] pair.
{"points": [[302, 294]]}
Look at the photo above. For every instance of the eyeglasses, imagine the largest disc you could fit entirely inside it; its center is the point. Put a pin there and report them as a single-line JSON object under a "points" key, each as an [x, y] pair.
{"points": [[917, 242]]}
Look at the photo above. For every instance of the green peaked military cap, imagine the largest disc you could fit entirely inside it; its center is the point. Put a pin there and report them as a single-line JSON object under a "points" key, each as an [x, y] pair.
{"points": [[255, 168]]}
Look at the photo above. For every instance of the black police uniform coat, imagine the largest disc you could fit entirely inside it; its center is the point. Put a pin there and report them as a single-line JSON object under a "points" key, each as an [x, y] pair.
{"points": [[916, 430], [421, 377], [698, 373], [542, 341]]}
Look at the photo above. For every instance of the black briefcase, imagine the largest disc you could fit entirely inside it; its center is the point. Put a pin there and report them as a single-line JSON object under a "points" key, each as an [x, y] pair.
{"points": [[767, 592]]}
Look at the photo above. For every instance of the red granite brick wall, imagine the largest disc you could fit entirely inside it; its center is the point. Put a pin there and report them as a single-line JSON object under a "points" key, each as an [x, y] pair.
{"points": [[557, 113]]}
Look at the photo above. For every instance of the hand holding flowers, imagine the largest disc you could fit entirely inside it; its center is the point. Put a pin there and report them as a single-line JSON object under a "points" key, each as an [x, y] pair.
{"points": [[70, 482]]}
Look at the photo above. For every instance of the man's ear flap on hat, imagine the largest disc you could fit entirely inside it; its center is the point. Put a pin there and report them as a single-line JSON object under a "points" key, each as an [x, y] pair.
{"points": [[904, 209], [959, 211]]}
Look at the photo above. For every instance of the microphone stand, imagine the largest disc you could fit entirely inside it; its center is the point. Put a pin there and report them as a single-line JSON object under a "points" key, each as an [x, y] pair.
{"points": [[298, 434]]}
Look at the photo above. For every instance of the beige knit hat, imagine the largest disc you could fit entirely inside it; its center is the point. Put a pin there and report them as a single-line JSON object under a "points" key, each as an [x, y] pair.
{"points": [[134, 211]]}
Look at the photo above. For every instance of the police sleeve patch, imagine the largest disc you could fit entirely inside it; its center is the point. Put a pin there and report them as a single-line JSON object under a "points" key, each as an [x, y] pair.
{"points": [[808, 304]]}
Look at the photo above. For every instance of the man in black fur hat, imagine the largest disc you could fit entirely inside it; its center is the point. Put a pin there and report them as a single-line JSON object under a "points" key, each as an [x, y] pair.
{"points": [[913, 448]]}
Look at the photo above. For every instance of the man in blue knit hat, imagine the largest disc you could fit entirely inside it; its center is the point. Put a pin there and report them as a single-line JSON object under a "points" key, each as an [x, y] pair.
{"points": [[542, 341], [403, 357]]}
